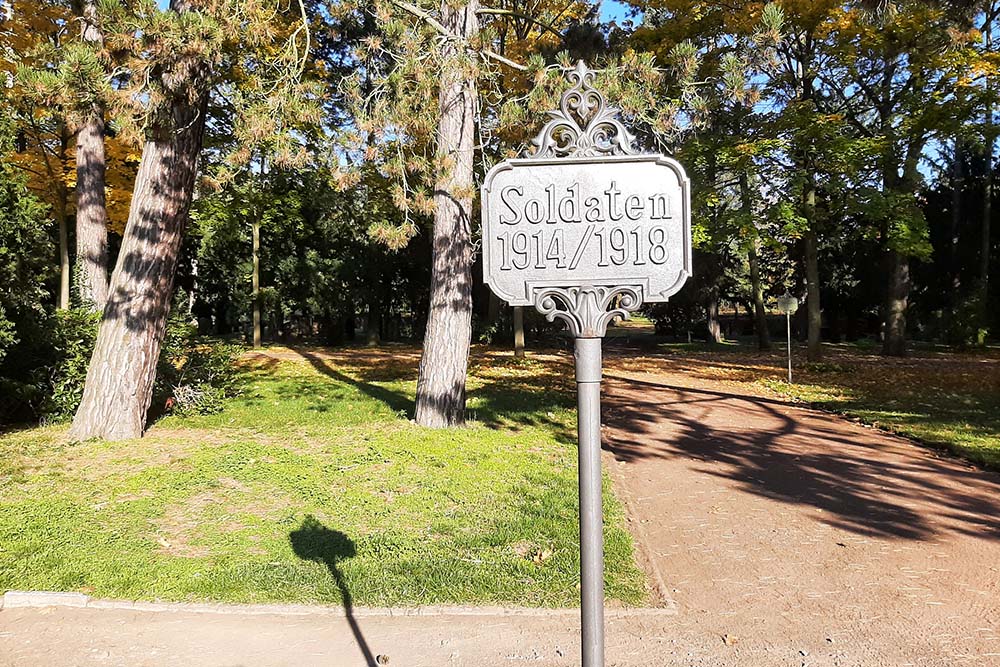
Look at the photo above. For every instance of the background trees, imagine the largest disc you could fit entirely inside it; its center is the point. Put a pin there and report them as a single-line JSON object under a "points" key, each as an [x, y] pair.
{"points": [[841, 150]]}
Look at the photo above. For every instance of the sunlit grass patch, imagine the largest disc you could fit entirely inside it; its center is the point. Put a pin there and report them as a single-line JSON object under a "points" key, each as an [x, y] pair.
{"points": [[314, 484]]}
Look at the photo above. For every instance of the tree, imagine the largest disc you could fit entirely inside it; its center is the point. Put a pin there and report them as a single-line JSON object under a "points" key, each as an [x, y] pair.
{"points": [[900, 68], [91, 168], [176, 57]]}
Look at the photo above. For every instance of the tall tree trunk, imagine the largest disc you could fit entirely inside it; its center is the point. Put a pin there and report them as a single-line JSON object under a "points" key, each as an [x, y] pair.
{"points": [[373, 323], [519, 332], [255, 282], [894, 343], [64, 267], [61, 211], [122, 369], [815, 314], [91, 211], [712, 318], [443, 365], [985, 245], [759, 310], [756, 288]]}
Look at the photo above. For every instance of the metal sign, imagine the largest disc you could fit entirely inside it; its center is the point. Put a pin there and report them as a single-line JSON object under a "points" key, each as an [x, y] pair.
{"points": [[584, 209], [586, 229]]}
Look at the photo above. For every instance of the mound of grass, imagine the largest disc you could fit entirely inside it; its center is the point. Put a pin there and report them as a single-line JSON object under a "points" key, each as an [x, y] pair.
{"points": [[313, 485]]}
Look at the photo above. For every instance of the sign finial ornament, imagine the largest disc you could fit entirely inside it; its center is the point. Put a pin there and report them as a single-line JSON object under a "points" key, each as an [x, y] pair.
{"points": [[584, 125]]}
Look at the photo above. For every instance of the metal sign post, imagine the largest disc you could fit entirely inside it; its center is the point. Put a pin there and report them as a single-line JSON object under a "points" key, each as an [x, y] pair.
{"points": [[788, 304], [586, 229]]}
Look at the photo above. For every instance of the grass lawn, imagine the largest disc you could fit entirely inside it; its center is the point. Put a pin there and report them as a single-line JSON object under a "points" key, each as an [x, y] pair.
{"points": [[314, 486], [943, 398]]}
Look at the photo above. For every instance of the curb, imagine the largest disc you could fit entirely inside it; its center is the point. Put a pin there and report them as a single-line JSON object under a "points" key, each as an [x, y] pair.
{"points": [[39, 599]]}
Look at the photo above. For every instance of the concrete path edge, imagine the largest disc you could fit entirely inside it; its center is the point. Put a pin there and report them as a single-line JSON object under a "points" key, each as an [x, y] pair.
{"points": [[34, 599]]}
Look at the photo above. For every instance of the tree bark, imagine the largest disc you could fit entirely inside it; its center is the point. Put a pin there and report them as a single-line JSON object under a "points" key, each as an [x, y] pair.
{"points": [[519, 332], [894, 343], [91, 210], [815, 315], [64, 267], [255, 282], [122, 369], [985, 244], [756, 288], [712, 317], [444, 363], [373, 324], [61, 212]]}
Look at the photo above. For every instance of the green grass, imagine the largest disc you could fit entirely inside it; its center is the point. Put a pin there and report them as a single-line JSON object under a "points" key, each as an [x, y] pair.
{"points": [[946, 402], [945, 399], [312, 486]]}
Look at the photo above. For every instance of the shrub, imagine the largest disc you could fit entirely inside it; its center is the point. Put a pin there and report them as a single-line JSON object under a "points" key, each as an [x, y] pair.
{"points": [[193, 377]]}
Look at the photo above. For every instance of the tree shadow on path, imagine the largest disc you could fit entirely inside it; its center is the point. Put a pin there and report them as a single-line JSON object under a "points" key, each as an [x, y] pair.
{"points": [[865, 482], [314, 541]]}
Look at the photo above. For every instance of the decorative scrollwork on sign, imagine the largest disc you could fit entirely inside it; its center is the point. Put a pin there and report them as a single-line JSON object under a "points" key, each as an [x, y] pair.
{"points": [[584, 125], [588, 310]]}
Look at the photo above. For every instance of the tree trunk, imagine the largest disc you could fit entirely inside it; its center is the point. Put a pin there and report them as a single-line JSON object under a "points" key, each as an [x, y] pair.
{"points": [[756, 288], [61, 212], [712, 316], [255, 282], [91, 212], [443, 365], [815, 315], [122, 369], [519, 332], [64, 267], [894, 343], [373, 324], [985, 245]]}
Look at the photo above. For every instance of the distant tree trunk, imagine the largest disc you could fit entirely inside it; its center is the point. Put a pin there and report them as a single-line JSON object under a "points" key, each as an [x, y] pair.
{"points": [[91, 211], [519, 332], [814, 313], [64, 267], [756, 288], [122, 369], [957, 189], [444, 363], [255, 282], [894, 343], [985, 245], [61, 212], [373, 323], [712, 317]]}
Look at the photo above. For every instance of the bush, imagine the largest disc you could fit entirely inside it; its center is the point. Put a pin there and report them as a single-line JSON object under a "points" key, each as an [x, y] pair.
{"points": [[74, 333], [193, 377], [44, 373]]}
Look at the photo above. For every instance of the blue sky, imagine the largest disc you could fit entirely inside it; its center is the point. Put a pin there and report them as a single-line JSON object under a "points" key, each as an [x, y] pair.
{"points": [[613, 10]]}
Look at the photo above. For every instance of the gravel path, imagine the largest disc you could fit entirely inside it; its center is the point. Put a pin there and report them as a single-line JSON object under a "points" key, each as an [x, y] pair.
{"points": [[788, 536]]}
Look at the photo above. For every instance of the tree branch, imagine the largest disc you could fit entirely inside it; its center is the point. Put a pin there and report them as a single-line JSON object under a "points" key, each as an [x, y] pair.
{"points": [[444, 32], [523, 17]]}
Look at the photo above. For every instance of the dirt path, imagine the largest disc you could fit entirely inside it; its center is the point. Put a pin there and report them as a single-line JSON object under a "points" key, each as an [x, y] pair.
{"points": [[790, 537]]}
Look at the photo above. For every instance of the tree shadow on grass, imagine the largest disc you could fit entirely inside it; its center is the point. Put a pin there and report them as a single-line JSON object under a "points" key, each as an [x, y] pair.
{"points": [[314, 541], [501, 402]]}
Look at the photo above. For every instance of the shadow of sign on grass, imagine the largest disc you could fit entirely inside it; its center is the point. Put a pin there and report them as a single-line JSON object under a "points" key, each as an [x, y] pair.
{"points": [[314, 541]]}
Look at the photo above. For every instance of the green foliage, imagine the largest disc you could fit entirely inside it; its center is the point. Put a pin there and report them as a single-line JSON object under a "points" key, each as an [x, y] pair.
{"points": [[68, 352], [194, 377]]}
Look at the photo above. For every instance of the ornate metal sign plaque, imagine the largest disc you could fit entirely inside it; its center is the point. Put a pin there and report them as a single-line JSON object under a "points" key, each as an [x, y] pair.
{"points": [[587, 229], [584, 209]]}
